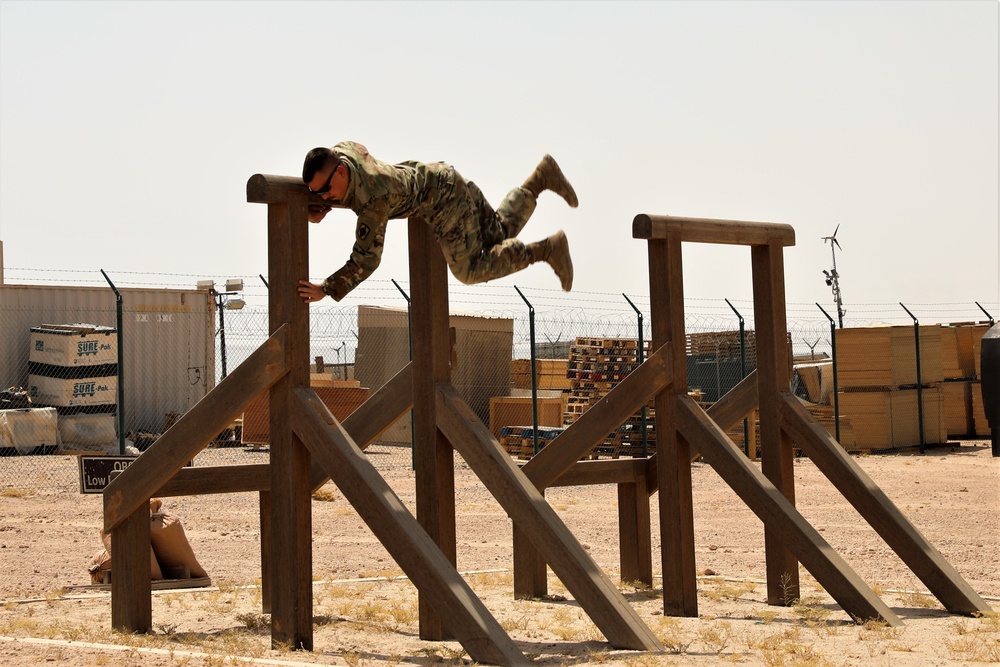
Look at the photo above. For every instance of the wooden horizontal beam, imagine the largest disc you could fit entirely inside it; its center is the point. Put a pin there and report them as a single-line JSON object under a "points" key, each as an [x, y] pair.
{"points": [[705, 230], [881, 513], [217, 479], [605, 471], [269, 189], [195, 429]]}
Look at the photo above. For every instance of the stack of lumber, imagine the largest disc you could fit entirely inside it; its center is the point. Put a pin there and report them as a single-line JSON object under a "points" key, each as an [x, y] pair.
{"points": [[960, 353], [982, 427], [877, 374], [516, 411], [886, 358], [824, 414], [549, 374]]}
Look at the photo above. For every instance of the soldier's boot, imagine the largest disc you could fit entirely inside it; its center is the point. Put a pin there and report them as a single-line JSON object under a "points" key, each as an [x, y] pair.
{"points": [[555, 251], [548, 176]]}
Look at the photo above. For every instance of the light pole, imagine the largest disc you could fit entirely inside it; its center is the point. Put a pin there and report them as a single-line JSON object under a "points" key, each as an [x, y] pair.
{"points": [[233, 286]]}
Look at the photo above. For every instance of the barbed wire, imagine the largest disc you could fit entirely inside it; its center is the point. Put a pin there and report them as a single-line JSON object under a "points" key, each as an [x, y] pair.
{"points": [[553, 305]]}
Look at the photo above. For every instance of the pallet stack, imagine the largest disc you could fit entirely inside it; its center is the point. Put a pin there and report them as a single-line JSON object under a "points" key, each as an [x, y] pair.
{"points": [[878, 389], [596, 366]]}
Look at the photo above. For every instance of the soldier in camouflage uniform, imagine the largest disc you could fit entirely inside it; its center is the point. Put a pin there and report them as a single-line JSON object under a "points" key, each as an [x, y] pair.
{"points": [[479, 244]]}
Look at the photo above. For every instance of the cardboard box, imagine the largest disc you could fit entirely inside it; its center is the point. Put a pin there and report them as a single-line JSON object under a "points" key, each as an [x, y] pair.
{"points": [[65, 392], [73, 345]]}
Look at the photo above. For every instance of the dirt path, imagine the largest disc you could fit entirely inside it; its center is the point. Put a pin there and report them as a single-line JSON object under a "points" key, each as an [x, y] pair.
{"points": [[365, 617]]}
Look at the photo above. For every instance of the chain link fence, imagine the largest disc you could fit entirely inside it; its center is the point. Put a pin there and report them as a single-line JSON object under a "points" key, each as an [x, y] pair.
{"points": [[87, 373]]}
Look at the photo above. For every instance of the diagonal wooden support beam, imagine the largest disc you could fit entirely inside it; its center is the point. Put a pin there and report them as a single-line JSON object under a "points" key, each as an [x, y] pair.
{"points": [[881, 513], [375, 416], [194, 430], [526, 506], [624, 400], [776, 512], [407, 542]]}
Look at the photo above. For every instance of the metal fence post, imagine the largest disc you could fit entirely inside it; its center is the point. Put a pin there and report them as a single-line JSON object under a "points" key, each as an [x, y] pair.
{"points": [[121, 359], [409, 338], [641, 358], [833, 354], [920, 395], [534, 380], [990, 317], [743, 374]]}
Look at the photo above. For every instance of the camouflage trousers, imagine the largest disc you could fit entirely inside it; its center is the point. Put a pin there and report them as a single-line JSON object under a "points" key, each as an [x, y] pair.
{"points": [[480, 243]]}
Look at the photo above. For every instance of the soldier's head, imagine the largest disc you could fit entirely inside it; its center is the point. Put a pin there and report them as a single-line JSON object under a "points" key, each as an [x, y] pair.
{"points": [[324, 173]]}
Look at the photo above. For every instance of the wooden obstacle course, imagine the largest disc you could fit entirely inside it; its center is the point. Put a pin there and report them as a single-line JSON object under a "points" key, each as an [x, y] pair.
{"points": [[309, 445]]}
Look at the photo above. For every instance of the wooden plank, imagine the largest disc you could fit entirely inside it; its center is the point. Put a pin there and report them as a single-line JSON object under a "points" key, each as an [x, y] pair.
{"points": [[194, 430], [131, 592], [774, 509], [433, 458], [704, 230], [527, 508], [217, 479], [375, 416], [603, 471], [773, 376], [879, 511], [407, 542], [673, 457], [291, 501], [604, 416]]}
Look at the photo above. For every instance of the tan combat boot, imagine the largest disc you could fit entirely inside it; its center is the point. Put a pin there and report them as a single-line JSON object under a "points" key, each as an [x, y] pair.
{"points": [[555, 251], [548, 176]]}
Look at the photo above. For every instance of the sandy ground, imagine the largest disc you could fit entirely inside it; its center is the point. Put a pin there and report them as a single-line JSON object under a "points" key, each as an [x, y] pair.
{"points": [[365, 614]]}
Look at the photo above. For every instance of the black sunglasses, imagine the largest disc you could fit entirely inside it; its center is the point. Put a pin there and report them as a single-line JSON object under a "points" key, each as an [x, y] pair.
{"points": [[326, 186]]}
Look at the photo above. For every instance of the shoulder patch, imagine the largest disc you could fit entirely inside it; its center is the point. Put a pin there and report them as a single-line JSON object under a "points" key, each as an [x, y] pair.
{"points": [[363, 231]]}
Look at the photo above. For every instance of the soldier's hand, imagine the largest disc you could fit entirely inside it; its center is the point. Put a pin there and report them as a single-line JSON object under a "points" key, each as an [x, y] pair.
{"points": [[310, 292], [317, 212]]}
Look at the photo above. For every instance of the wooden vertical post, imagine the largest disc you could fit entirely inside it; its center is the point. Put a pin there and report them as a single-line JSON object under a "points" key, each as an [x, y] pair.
{"points": [[131, 589], [434, 459], [265, 552], [673, 457], [635, 539], [773, 376], [290, 493]]}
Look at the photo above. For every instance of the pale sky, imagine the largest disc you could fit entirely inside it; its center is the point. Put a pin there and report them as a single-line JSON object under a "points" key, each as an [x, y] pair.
{"points": [[128, 131]]}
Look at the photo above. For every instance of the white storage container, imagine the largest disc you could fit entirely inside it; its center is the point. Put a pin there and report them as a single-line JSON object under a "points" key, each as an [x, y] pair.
{"points": [[87, 430], [73, 345], [27, 429]]}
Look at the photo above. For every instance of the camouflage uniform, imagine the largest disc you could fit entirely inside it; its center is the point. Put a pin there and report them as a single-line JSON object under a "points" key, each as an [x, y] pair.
{"points": [[479, 243]]}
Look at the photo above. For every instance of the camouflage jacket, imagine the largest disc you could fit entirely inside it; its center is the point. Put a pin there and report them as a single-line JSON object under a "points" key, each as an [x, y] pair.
{"points": [[377, 192]]}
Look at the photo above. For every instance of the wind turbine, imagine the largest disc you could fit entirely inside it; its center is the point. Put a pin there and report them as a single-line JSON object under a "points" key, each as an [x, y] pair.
{"points": [[832, 277]]}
